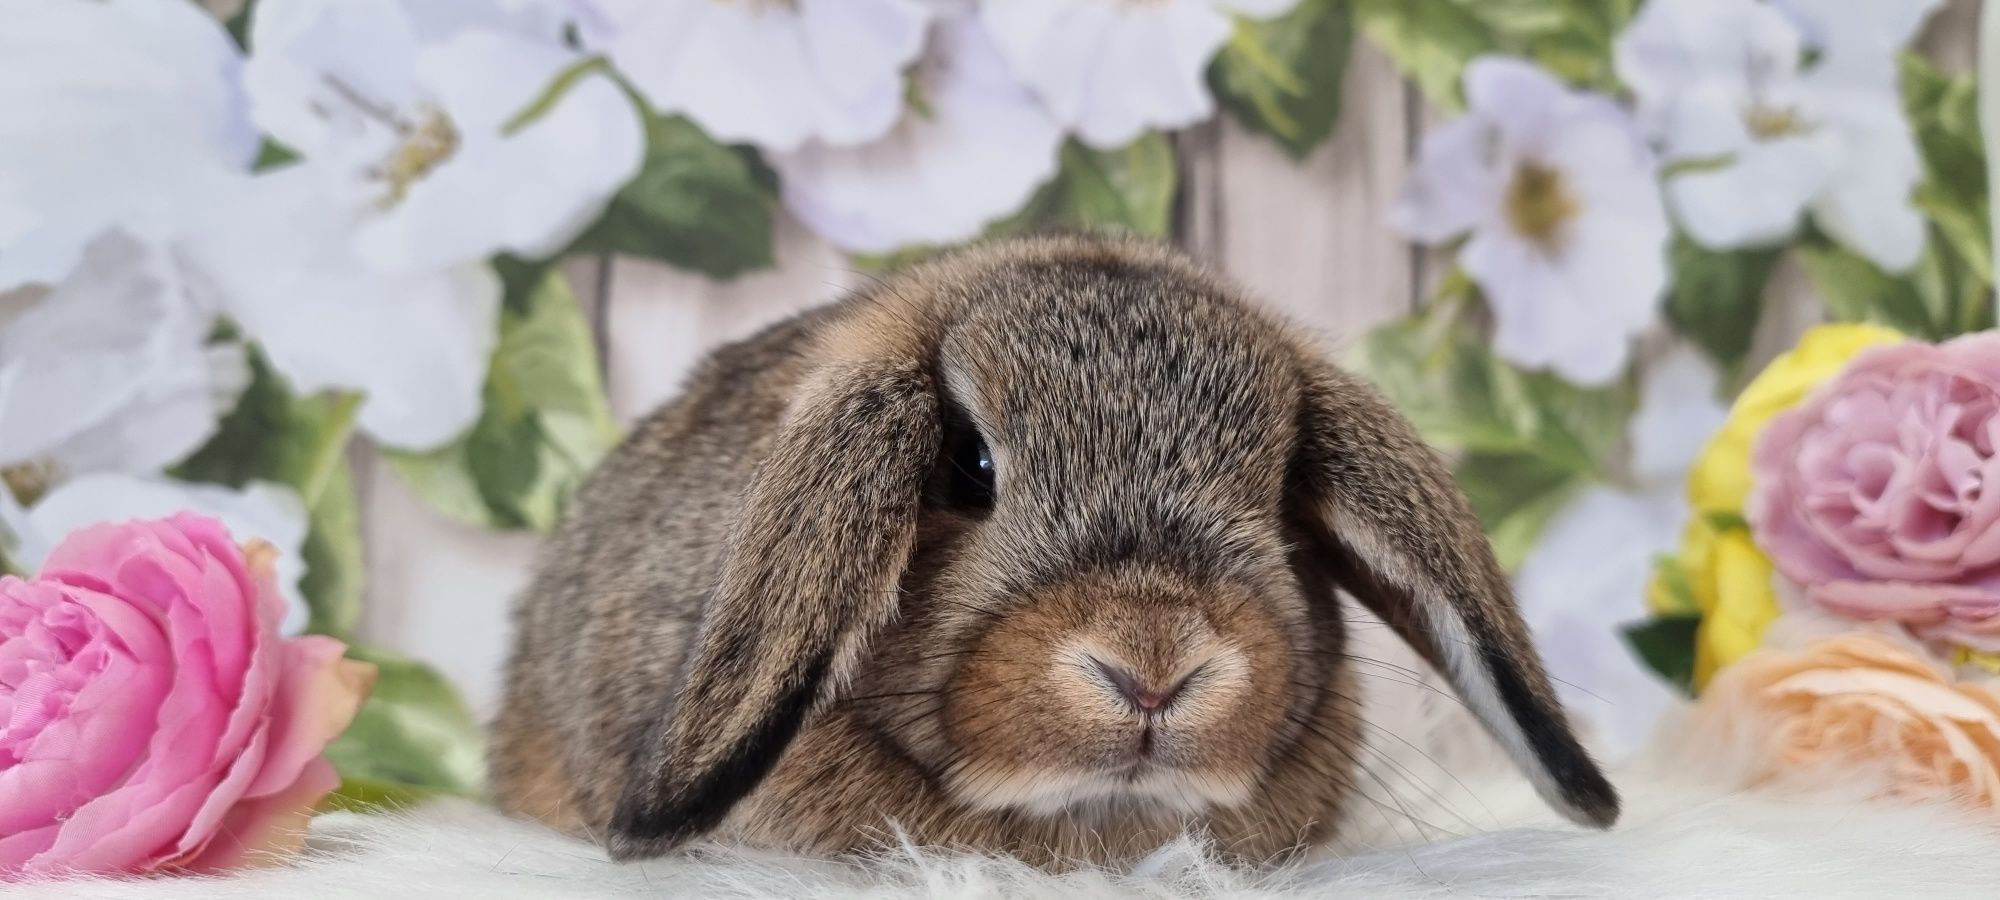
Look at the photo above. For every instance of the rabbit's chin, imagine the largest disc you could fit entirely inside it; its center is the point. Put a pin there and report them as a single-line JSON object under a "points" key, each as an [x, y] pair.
{"points": [[1136, 787]]}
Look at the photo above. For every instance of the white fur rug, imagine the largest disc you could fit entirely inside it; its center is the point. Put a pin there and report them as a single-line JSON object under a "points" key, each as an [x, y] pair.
{"points": [[1443, 819]]}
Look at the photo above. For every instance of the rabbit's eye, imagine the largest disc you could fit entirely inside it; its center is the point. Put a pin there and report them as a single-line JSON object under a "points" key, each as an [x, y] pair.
{"points": [[969, 471]]}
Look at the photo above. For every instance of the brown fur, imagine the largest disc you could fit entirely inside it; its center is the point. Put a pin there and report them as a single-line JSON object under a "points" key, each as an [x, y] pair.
{"points": [[758, 618]]}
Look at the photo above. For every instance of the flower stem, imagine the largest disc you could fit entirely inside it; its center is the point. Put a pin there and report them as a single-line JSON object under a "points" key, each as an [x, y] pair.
{"points": [[564, 80], [331, 451]]}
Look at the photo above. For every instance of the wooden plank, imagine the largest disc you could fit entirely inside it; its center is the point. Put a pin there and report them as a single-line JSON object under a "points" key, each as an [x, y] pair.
{"points": [[1309, 237], [660, 320]]}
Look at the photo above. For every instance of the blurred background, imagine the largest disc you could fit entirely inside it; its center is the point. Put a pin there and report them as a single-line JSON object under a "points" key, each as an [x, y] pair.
{"points": [[380, 280]]}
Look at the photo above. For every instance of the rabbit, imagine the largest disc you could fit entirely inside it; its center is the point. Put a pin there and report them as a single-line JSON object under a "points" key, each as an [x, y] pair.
{"points": [[1033, 548]]}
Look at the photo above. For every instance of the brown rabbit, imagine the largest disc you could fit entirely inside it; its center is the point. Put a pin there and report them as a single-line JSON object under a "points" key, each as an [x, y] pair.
{"points": [[1035, 548]]}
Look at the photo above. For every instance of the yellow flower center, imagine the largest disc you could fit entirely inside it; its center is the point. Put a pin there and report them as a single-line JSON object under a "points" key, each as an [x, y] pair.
{"points": [[425, 145], [1769, 123], [1539, 204], [28, 481]]}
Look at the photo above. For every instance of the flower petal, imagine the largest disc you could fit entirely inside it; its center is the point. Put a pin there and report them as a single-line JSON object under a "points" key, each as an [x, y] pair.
{"points": [[940, 177], [416, 345], [78, 81], [110, 370], [560, 171]]}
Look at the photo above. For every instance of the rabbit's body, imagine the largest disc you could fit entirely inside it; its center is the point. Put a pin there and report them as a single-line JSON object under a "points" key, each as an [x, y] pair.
{"points": [[805, 602]]}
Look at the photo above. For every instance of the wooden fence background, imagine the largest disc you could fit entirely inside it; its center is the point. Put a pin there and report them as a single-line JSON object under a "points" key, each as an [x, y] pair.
{"points": [[1306, 237]]}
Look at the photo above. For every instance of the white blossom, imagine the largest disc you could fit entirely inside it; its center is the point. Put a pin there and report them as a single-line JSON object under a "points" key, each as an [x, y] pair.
{"points": [[1759, 136], [974, 150], [111, 370], [118, 113], [775, 73], [1568, 236], [414, 115], [1111, 69]]}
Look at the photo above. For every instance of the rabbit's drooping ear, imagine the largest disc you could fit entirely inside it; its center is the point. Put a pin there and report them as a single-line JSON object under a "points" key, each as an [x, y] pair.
{"points": [[811, 576], [1398, 534]]}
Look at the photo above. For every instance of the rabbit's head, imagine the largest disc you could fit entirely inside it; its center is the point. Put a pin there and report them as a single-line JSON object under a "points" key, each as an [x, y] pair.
{"points": [[1066, 522]]}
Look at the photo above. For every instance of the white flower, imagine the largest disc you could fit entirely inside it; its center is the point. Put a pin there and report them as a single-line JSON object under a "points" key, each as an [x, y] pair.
{"points": [[1581, 585], [416, 165], [118, 113], [415, 345], [1586, 578], [409, 112], [269, 512], [1722, 85], [974, 151], [775, 73], [1111, 69], [111, 370], [1568, 233]]}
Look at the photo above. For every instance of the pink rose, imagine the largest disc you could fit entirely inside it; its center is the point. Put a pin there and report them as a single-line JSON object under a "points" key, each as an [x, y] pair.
{"points": [[1872, 493], [150, 715]]}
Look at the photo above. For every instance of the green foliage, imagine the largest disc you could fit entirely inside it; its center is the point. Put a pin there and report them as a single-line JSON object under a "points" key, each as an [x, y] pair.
{"points": [[697, 204], [1717, 298], [413, 738], [1949, 291], [544, 422], [1666, 645], [1282, 77], [1463, 398], [1128, 189], [274, 435], [1515, 496], [1944, 116], [1527, 441], [1941, 297], [1432, 40]]}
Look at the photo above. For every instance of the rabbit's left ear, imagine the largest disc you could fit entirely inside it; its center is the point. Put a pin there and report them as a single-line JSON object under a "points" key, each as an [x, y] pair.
{"points": [[811, 575], [1394, 530]]}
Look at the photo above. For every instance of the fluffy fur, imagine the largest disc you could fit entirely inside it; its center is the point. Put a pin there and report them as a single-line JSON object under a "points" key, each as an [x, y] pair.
{"points": [[1687, 834]]}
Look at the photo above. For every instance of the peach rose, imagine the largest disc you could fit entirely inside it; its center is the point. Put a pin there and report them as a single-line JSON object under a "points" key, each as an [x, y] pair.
{"points": [[151, 717], [1861, 699]]}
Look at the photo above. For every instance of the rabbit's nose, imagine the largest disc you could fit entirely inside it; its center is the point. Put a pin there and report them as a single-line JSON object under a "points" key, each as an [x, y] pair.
{"points": [[1143, 696]]}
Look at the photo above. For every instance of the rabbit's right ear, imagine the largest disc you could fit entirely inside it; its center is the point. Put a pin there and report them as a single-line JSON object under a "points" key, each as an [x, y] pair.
{"points": [[1395, 532], [810, 578]]}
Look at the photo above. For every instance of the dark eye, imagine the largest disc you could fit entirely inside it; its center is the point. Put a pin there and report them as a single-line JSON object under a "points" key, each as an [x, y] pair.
{"points": [[967, 479]]}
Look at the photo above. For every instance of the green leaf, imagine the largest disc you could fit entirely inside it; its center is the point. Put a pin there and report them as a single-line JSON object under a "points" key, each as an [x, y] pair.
{"points": [[1282, 77], [544, 423], [1666, 645], [1672, 577], [1463, 398], [1939, 298], [696, 204], [1944, 116], [1717, 298], [1433, 40], [1515, 496], [1128, 189], [413, 737], [1723, 521], [273, 435], [335, 569]]}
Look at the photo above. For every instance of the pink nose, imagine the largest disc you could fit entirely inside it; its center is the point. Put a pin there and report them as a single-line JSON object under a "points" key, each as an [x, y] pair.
{"points": [[1145, 697]]}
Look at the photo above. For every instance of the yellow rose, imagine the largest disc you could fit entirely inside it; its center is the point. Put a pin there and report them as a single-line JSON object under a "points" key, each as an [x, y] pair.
{"points": [[1722, 575]]}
